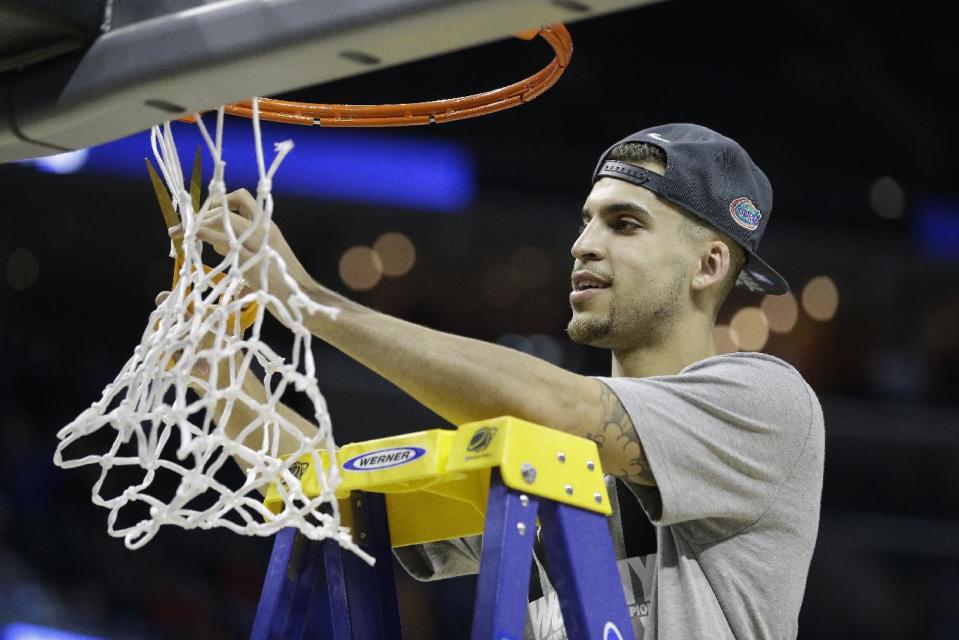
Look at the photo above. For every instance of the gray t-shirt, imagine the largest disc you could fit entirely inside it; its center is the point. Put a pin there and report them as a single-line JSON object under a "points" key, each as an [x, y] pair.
{"points": [[736, 445]]}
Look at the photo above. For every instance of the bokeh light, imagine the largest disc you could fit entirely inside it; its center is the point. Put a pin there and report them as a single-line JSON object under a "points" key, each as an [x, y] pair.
{"points": [[23, 269], [360, 268], [887, 198], [67, 162], [751, 328], [396, 252], [782, 312], [820, 298], [726, 341]]}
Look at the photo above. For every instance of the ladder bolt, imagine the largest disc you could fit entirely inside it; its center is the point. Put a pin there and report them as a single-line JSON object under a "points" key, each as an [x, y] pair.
{"points": [[524, 500], [590, 465], [521, 528], [598, 498], [528, 472], [569, 489], [561, 456]]}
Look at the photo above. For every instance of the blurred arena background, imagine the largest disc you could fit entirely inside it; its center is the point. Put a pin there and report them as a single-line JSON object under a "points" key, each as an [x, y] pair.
{"points": [[849, 108]]}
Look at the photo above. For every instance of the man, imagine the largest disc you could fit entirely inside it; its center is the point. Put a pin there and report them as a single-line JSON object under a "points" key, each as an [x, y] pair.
{"points": [[724, 453]]}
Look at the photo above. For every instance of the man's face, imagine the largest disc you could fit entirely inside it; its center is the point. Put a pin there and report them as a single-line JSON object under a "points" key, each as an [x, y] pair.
{"points": [[630, 269]]}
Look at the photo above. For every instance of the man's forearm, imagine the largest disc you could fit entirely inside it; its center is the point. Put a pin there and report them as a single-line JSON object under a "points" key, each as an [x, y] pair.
{"points": [[242, 414], [461, 379], [464, 380]]}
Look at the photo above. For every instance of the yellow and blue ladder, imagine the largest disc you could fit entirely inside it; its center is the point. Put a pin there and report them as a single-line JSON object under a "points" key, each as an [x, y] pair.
{"points": [[494, 477]]}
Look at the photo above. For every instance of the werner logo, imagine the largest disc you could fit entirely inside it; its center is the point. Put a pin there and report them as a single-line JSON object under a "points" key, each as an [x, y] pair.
{"points": [[481, 439], [298, 469], [384, 458], [480, 442]]}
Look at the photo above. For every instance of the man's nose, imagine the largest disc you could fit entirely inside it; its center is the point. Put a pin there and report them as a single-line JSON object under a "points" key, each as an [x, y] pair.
{"points": [[588, 246]]}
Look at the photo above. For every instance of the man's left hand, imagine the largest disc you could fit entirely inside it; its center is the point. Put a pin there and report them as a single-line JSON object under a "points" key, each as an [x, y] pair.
{"points": [[240, 208]]}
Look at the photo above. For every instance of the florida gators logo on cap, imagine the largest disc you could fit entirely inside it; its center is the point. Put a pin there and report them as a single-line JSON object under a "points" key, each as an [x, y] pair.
{"points": [[745, 213]]}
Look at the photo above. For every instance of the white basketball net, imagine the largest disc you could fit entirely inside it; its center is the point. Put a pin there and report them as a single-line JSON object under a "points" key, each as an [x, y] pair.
{"points": [[150, 401]]}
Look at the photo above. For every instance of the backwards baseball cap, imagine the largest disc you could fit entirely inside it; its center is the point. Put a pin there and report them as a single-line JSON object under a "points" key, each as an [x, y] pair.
{"points": [[713, 178]]}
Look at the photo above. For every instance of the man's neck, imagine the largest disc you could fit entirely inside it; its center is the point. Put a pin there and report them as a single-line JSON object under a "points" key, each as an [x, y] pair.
{"points": [[682, 347]]}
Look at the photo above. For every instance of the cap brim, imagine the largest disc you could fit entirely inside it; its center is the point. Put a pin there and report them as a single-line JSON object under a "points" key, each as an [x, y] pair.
{"points": [[759, 277]]}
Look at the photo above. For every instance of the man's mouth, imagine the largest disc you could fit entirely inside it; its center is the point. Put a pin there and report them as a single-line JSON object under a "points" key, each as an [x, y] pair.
{"points": [[583, 280]]}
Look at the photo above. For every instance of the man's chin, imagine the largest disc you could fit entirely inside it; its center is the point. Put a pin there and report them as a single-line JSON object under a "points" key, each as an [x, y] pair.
{"points": [[591, 332]]}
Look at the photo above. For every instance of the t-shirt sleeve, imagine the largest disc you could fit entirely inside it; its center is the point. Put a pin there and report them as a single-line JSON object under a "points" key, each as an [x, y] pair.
{"points": [[442, 559], [720, 437]]}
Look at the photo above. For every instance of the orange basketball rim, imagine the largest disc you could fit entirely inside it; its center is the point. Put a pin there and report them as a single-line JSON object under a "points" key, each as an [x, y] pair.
{"points": [[415, 113]]}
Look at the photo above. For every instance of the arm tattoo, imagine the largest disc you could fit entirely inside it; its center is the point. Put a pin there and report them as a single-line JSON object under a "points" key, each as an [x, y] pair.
{"points": [[619, 445]]}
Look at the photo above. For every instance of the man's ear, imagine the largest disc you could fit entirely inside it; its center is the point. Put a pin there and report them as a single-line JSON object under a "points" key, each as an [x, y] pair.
{"points": [[714, 264]]}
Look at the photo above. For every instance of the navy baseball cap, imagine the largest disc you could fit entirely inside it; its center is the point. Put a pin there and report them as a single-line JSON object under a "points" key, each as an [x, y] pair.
{"points": [[713, 178]]}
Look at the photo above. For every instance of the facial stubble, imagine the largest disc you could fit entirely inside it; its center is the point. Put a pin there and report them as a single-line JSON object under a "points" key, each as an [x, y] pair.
{"points": [[636, 320]]}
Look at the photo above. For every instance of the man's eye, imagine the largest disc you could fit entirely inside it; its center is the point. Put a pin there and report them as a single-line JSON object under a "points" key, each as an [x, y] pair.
{"points": [[625, 224]]}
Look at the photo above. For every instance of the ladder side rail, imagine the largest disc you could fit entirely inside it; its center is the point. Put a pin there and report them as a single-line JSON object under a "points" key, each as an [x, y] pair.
{"points": [[505, 563], [584, 572]]}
